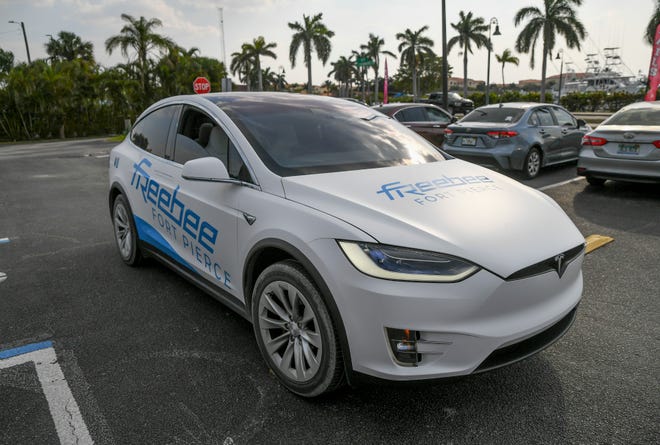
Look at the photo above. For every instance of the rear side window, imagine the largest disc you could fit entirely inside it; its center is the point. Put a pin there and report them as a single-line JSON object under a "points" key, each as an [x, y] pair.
{"points": [[150, 133], [636, 116], [413, 114], [544, 117], [500, 115]]}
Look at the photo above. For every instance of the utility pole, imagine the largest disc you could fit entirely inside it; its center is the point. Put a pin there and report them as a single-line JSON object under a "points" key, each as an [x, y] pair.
{"points": [[493, 21], [226, 82], [27, 49]]}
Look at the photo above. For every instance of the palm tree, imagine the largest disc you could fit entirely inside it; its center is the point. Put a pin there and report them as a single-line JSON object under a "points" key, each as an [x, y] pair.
{"points": [[68, 46], [413, 46], [361, 72], [649, 35], [241, 64], [255, 50], [139, 35], [469, 30], [557, 17], [342, 71], [506, 57], [373, 49], [311, 33]]}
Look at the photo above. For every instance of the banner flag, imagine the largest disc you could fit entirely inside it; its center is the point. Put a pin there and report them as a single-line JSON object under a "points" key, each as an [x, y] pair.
{"points": [[654, 73]]}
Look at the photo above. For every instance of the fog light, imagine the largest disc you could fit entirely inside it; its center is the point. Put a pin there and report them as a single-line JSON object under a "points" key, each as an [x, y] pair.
{"points": [[403, 343]]}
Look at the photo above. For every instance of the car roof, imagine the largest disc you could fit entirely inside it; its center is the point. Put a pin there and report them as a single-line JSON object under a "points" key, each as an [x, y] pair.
{"points": [[400, 106], [265, 98], [522, 105], [649, 104]]}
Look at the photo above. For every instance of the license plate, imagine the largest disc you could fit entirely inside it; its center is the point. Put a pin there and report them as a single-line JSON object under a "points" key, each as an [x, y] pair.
{"points": [[468, 140], [628, 149]]}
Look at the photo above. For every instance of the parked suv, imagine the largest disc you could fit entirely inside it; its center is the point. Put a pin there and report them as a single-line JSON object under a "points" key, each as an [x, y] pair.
{"points": [[354, 246], [455, 102]]}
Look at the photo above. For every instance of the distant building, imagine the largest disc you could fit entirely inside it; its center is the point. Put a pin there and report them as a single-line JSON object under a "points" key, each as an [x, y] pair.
{"points": [[457, 83]]}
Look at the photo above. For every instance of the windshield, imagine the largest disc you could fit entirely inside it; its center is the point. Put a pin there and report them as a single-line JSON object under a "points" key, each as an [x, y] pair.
{"points": [[636, 116], [495, 115], [299, 136]]}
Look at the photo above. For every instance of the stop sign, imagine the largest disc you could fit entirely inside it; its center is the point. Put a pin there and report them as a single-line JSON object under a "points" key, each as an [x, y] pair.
{"points": [[202, 85]]}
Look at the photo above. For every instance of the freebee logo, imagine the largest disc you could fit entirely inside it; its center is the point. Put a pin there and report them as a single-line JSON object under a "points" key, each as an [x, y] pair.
{"points": [[436, 189], [180, 223]]}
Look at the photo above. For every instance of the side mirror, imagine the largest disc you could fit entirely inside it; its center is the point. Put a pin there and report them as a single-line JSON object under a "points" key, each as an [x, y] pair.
{"points": [[454, 119], [581, 123], [205, 169]]}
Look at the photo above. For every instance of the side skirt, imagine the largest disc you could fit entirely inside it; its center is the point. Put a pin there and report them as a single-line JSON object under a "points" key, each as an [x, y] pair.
{"points": [[222, 296]]}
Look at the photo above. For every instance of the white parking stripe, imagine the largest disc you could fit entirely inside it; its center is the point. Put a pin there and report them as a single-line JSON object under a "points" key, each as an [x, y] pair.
{"points": [[559, 184], [63, 407], [102, 156]]}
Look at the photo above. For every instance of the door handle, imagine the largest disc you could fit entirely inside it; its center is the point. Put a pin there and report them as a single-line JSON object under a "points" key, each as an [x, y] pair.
{"points": [[436, 126]]}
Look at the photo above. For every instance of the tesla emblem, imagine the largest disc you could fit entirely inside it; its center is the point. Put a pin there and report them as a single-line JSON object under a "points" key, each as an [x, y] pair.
{"points": [[560, 265]]}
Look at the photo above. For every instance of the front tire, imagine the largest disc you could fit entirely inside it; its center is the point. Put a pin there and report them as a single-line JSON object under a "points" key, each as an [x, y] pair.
{"points": [[125, 232], [532, 165], [294, 330]]}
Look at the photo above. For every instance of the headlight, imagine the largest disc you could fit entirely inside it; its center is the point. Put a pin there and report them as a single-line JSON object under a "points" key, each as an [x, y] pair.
{"points": [[398, 263]]}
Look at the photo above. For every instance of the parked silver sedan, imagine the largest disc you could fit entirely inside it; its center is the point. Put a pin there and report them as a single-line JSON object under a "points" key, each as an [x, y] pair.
{"points": [[624, 147], [517, 136]]}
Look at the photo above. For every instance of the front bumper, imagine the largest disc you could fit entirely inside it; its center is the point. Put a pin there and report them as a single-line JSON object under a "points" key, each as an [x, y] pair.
{"points": [[462, 325], [616, 168]]}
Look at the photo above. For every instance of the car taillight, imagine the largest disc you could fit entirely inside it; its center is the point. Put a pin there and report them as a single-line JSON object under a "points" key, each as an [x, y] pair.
{"points": [[592, 140], [657, 144], [448, 131], [502, 134]]}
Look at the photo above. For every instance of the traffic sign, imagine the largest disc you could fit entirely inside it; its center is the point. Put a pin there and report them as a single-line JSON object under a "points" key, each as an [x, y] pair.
{"points": [[364, 61], [202, 85]]}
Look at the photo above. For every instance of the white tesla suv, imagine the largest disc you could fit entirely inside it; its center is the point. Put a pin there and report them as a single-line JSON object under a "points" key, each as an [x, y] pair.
{"points": [[354, 246]]}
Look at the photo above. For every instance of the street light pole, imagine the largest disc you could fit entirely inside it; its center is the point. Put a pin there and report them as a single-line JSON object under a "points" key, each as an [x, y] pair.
{"points": [[493, 21], [27, 49], [560, 55], [445, 77]]}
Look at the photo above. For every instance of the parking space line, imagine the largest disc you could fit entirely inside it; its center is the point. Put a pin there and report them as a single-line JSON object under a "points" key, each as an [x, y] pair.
{"points": [[4, 240], [559, 184], [63, 407]]}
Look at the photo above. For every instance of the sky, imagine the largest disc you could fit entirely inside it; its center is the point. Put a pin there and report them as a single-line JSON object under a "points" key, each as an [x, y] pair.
{"points": [[196, 23]]}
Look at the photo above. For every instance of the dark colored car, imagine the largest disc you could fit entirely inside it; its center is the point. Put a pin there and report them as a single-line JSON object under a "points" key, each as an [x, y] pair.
{"points": [[455, 102], [517, 136], [625, 147], [427, 120]]}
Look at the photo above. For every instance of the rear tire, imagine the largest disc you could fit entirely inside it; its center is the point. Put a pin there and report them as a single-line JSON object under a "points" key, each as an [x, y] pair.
{"points": [[294, 330], [125, 232], [595, 182], [532, 165]]}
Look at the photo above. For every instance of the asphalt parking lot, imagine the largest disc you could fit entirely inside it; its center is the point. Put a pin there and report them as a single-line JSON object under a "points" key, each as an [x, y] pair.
{"points": [[149, 358]]}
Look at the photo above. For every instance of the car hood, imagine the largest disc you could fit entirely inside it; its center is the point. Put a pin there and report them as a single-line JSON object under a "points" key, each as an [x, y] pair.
{"points": [[451, 207]]}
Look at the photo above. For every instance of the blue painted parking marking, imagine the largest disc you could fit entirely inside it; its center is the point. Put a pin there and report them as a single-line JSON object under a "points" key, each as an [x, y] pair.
{"points": [[64, 410], [25, 349]]}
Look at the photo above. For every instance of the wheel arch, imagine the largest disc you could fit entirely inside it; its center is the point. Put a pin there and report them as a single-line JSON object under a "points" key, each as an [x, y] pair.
{"points": [[115, 190], [269, 251]]}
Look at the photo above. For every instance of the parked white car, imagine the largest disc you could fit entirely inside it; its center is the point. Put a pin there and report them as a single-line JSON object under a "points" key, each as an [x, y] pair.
{"points": [[353, 245]]}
